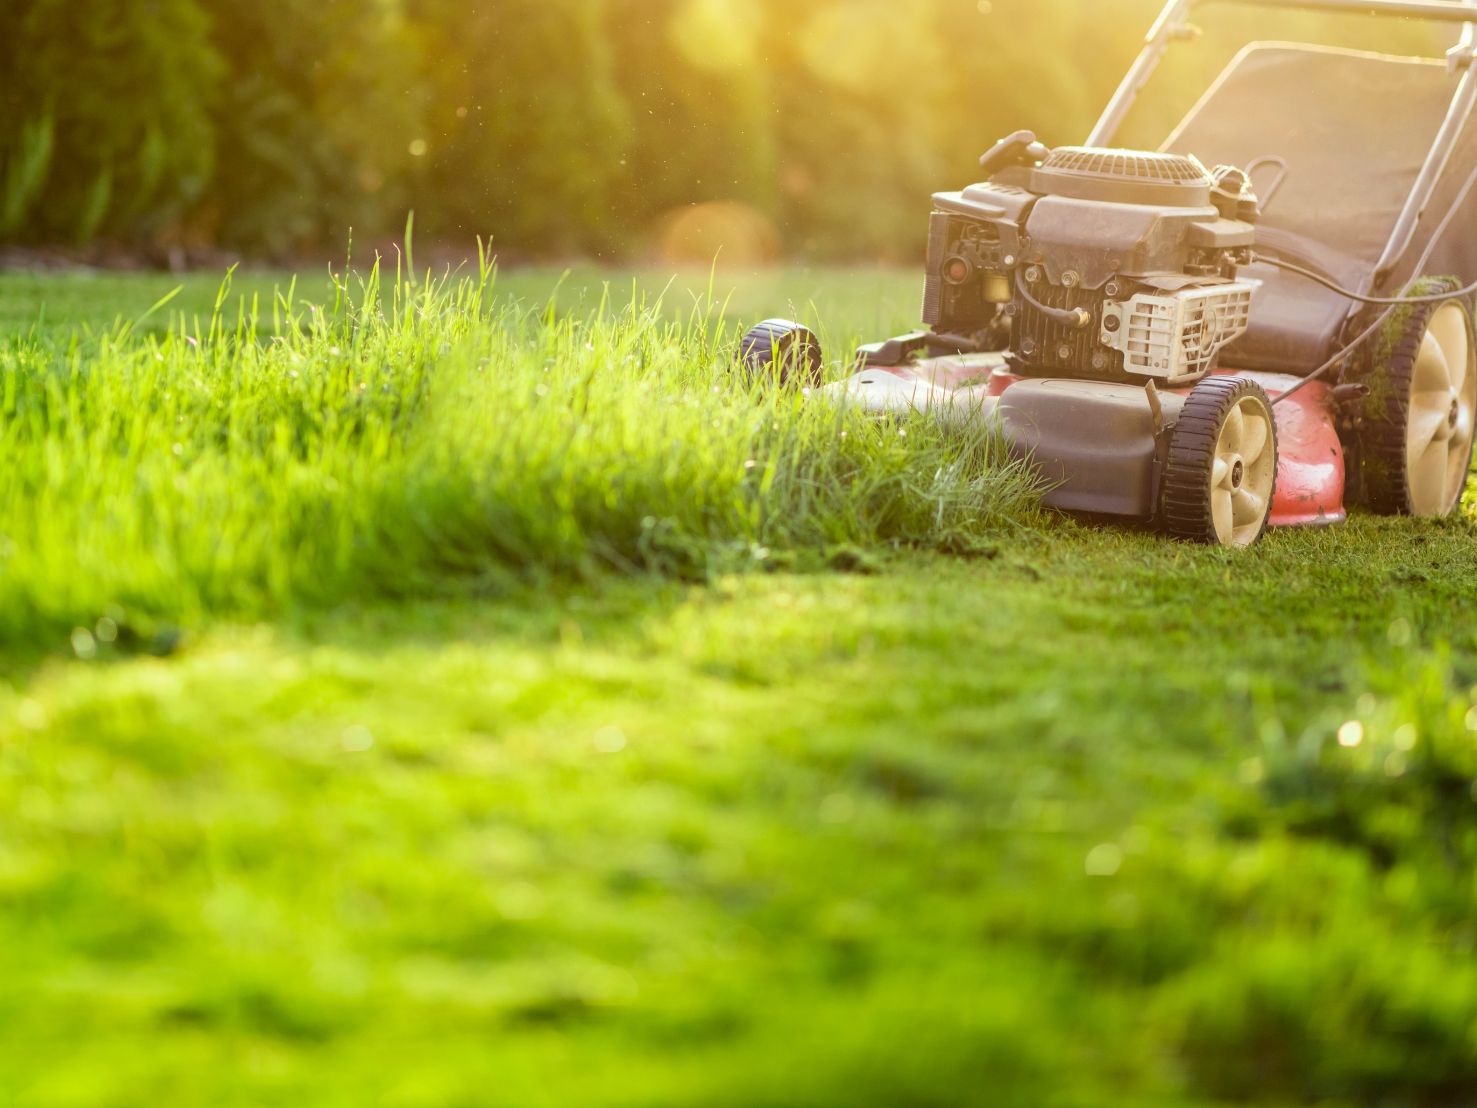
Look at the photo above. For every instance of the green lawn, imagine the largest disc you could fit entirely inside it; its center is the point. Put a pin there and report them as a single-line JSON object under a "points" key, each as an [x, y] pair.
{"points": [[380, 729]]}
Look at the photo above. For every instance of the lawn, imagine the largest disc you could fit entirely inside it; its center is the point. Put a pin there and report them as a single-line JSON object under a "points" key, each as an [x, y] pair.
{"points": [[466, 695]]}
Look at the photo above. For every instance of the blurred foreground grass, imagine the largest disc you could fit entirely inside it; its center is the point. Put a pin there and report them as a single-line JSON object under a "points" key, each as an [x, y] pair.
{"points": [[1071, 817]]}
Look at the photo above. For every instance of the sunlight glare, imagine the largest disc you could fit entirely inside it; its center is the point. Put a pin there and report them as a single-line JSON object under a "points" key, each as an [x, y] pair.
{"points": [[717, 36]]}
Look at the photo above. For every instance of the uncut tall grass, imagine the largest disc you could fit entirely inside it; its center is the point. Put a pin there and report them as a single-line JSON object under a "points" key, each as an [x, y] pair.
{"points": [[430, 438]]}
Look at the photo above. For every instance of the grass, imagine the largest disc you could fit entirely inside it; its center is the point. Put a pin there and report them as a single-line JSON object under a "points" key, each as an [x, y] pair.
{"points": [[425, 439], [375, 749]]}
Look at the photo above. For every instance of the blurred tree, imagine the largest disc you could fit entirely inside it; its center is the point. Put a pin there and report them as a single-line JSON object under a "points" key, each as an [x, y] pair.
{"points": [[861, 121], [527, 127], [1046, 67], [562, 126], [316, 121], [103, 122], [691, 73]]}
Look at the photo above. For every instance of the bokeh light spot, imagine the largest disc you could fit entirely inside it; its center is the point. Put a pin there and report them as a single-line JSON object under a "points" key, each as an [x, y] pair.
{"points": [[1104, 860], [31, 715], [356, 739], [724, 233], [716, 36], [610, 740], [83, 644]]}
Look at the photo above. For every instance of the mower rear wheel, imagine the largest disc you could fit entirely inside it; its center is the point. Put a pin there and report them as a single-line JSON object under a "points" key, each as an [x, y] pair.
{"points": [[782, 351], [1418, 432], [1221, 471]]}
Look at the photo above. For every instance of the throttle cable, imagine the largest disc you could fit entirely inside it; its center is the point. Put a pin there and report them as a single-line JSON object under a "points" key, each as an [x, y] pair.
{"points": [[1394, 302]]}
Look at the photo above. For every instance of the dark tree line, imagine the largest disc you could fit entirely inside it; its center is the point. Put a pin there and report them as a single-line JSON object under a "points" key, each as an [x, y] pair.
{"points": [[556, 126]]}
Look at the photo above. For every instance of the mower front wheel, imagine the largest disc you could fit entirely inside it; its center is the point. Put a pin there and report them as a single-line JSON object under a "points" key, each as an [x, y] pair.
{"points": [[1221, 471], [782, 351]]}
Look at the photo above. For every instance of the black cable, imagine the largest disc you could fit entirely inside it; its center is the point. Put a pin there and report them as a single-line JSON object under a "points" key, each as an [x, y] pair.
{"points": [[1384, 317], [1433, 298], [1077, 318], [1337, 359]]}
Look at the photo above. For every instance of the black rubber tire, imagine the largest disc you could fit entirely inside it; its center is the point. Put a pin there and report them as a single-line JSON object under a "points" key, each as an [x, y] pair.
{"points": [[1384, 469], [1190, 463], [783, 351]]}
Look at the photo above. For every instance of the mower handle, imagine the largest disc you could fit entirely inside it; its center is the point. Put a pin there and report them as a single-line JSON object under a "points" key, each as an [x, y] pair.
{"points": [[1443, 11], [1173, 25]]}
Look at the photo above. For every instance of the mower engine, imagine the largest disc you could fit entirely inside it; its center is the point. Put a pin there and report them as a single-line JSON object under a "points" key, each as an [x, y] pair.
{"points": [[1112, 265]]}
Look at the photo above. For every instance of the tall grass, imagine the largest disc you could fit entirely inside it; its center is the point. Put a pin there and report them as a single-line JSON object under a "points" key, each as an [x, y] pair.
{"points": [[415, 438]]}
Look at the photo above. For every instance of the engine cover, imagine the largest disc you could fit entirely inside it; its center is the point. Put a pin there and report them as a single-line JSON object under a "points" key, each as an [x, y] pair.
{"points": [[1110, 264], [1123, 177]]}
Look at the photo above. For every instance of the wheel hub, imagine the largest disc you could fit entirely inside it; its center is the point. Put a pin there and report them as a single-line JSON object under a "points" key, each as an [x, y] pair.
{"points": [[1221, 470], [1243, 472]]}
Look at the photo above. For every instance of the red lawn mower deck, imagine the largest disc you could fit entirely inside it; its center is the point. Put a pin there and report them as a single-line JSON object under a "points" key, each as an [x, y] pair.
{"points": [[1098, 448]]}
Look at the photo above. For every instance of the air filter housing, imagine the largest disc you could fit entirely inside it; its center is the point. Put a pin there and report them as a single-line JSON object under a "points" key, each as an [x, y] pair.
{"points": [[1123, 177]]}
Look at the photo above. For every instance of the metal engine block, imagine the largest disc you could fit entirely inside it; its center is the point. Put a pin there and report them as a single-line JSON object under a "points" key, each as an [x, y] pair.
{"points": [[1109, 264]]}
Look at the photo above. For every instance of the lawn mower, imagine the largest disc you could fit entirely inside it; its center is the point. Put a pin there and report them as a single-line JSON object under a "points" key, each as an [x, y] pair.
{"points": [[1214, 351]]}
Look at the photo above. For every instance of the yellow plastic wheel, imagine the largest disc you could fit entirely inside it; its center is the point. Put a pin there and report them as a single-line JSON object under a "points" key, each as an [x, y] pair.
{"points": [[1221, 471]]}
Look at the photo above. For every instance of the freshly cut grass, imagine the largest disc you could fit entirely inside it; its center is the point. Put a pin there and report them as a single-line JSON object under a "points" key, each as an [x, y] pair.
{"points": [[420, 439]]}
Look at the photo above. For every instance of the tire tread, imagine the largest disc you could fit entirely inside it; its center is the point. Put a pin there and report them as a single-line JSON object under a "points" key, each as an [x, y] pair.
{"points": [[792, 345], [1384, 467], [1190, 461]]}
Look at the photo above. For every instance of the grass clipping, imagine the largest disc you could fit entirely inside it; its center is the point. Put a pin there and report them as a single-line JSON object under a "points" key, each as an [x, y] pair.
{"points": [[426, 438]]}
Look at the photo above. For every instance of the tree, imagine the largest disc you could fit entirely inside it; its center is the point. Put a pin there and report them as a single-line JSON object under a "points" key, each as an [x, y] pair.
{"points": [[104, 128], [527, 125], [316, 121]]}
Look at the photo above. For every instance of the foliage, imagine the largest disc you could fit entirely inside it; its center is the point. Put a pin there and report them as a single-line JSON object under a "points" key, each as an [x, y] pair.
{"points": [[696, 79], [26, 172], [104, 126], [557, 127], [313, 121], [528, 131]]}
